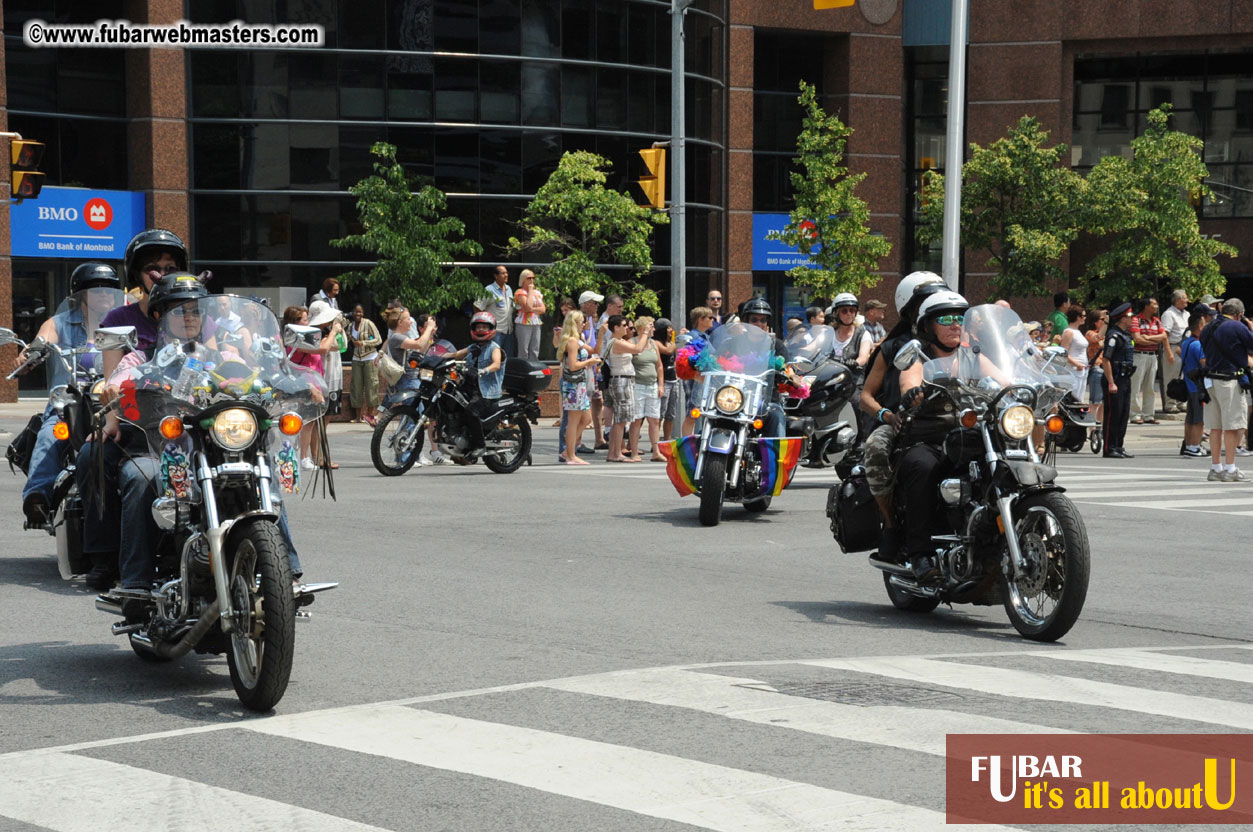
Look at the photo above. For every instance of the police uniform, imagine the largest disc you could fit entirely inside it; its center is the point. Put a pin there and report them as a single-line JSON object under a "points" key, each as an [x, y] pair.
{"points": [[1120, 353]]}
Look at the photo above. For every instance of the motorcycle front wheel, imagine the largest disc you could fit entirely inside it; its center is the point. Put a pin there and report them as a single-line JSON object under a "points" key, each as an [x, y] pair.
{"points": [[713, 482], [397, 442], [264, 639], [509, 429], [1044, 601]]}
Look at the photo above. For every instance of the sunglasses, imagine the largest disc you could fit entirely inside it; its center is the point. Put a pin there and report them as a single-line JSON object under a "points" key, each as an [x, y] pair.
{"points": [[715, 297], [181, 312], [949, 320]]}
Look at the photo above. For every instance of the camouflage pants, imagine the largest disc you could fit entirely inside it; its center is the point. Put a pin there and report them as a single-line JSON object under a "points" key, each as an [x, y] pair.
{"points": [[877, 460]]}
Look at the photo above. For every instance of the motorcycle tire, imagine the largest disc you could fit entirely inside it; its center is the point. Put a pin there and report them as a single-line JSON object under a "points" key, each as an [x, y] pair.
{"points": [[713, 483], [392, 427], [1060, 577], [758, 505], [503, 463], [260, 657], [906, 602]]}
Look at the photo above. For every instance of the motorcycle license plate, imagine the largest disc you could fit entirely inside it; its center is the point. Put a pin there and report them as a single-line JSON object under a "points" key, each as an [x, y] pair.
{"points": [[426, 375]]}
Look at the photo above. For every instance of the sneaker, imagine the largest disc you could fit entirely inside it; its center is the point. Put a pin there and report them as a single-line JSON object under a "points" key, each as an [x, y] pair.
{"points": [[1243, 452], [424, 459], [306, 464], [1214, 476], [1196, 453], [438, 459], [1234, 476]]}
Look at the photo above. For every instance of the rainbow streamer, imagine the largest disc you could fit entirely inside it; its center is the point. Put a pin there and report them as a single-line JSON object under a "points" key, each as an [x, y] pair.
{"points": [[680, 457], [779, 456]]}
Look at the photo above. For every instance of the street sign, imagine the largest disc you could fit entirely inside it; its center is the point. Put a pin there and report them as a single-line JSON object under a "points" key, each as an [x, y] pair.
{"points": [[773, 255], [76, 223]]}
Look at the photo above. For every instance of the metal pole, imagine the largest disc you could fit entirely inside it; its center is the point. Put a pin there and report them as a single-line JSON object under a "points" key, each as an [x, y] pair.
{"points": [[954, 150], [678, 181]]}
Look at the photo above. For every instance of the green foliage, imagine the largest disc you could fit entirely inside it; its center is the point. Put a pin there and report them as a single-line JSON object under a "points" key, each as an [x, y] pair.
{"points": [[577, 223], [1144, 204], [830, 223], [416, 244], [1019, 203]]}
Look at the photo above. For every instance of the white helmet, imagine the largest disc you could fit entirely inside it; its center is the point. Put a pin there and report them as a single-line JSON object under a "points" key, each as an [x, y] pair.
{"points": [[844, 299], [944, 301], [905, 289]]}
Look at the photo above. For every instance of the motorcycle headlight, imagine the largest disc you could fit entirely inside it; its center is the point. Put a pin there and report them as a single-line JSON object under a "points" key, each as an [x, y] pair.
{"points": [[1017, 421], [426, 375], [234, 429], [97, 389], [729, 399]]}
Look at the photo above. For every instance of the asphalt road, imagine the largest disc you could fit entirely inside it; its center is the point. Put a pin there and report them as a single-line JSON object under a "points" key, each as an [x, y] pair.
{"points": [[569, 649]]}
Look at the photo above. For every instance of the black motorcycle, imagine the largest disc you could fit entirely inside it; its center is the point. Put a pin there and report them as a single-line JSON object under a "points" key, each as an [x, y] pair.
{"points": [[1003, 530], [826, 417], [467, 428]]}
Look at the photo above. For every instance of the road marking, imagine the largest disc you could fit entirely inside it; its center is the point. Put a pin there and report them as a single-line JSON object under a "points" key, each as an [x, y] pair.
{"points": [[1159, 662], [69, 793], [1081, 493], [1022, 684], [657, 785], [913, 729], [1245, 500]]}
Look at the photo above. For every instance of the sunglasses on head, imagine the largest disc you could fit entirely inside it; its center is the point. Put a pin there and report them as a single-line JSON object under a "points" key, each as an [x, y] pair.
{"points": [[949, 320]]}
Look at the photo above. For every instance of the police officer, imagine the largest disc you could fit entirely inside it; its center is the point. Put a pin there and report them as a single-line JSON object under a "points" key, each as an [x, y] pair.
{"points": [[1119, 367]]}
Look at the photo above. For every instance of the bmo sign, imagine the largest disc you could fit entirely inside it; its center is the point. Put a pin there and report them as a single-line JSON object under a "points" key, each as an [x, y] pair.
{"points": [[76, 223]]}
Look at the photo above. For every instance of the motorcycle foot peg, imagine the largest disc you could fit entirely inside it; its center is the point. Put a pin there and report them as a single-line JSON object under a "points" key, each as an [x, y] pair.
{"points": [[121, 628]]}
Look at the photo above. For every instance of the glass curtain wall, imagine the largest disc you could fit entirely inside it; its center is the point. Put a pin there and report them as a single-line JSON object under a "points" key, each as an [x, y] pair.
{"points": [[481, 97]]}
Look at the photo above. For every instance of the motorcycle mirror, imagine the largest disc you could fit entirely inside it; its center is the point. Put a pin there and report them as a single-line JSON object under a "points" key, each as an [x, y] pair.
{"points": [[907, 355], [303, 338], [8, 336], [1055, 352], [115, 338]]}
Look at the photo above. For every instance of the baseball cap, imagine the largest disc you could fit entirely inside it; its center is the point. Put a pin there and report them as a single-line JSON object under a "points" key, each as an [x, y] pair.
{"points": [[876, 304], [589, 296]]}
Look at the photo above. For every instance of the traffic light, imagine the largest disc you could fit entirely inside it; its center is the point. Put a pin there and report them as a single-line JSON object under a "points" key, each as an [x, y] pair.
{"points": [[25, 180], [654, 184]]}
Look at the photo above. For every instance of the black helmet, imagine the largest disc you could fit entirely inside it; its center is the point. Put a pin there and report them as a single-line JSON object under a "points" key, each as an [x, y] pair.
{"points": [[174, 288], [89, 275], [756, 306], [150, 242]]}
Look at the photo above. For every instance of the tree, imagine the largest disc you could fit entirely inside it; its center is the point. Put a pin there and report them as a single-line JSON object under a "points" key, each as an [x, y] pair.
{"points": [[579, 224], [830, 223], [405, 225], [1019, 203], [1145, 205]]}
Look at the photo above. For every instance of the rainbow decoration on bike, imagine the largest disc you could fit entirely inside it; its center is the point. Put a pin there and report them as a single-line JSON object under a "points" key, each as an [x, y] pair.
{"points": [[680, 457], [779, 456]]}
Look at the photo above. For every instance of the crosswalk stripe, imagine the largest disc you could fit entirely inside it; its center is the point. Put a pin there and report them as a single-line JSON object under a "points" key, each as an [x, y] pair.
{"points": [[1158, 662], [70, 793], [1244, 500], [1194, 489], [913, 729], [648, 783], [1022, 684]]}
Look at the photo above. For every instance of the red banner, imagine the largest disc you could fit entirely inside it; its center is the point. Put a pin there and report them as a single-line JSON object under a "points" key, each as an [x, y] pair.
{"points": [[1099, 778]]}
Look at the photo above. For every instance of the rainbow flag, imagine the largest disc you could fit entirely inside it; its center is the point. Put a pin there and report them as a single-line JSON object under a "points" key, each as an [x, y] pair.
{"points": [[680, 457], [779, 456]]}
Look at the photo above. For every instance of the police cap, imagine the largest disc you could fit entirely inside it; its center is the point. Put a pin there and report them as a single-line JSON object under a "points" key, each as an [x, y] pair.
{"points": [[1119, 311]]}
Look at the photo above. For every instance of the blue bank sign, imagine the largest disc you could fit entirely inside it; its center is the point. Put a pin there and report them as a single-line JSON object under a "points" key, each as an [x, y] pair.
{"points": [[772, 255], [76, 223]]}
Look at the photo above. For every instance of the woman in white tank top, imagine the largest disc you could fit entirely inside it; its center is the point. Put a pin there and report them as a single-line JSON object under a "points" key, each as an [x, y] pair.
{"points": [[1076, 352]]}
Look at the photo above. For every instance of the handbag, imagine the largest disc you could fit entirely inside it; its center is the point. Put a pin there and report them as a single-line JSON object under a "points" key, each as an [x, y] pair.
{"points": [[390, 370], [22, 448], [1177, 389]]}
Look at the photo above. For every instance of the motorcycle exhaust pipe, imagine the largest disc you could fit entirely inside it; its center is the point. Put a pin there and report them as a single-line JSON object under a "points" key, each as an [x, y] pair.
{"points": [[108, 605], [181, 648]]}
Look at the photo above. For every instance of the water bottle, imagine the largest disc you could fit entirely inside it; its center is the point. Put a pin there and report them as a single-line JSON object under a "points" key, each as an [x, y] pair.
{"points": [[184, 387]]}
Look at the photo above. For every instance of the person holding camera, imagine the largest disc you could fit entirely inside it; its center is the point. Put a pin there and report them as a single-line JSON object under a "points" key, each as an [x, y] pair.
{"points": [[1227, 345]]}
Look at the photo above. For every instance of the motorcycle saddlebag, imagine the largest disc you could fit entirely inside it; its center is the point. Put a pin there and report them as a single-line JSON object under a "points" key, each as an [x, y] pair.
{"points": [[23, 445], [854, 515], [525, 376]]}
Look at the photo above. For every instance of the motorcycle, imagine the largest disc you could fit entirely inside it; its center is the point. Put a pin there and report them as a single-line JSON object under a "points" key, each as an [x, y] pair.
{"points": [[1005, 532], [225, 429], [447, 397], [729, 458], [1078, 423], [75, 403], [826, 417]]}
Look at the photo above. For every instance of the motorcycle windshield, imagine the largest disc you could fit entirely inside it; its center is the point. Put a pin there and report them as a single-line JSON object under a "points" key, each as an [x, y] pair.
{"points": [[740, 348], [996, 352], [809, 346], [83, 311], [232, 350]]}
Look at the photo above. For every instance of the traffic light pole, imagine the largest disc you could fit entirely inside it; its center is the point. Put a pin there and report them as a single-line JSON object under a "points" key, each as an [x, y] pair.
{"points": [[954, 150], [678, 178]]}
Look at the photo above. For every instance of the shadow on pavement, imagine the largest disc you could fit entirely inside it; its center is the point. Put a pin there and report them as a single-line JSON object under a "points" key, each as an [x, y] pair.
{"points": [[887, 617]]}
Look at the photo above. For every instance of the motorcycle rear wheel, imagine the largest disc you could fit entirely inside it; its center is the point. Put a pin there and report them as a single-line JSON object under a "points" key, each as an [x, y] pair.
{"points": [[1044, 602], [397, 442], [906, 602], [713, 482], [263, 645], [510, 429]]}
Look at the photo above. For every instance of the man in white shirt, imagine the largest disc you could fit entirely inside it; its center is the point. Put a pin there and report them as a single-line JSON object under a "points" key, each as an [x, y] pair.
{"points": [[498, 299], [1175, 322]]}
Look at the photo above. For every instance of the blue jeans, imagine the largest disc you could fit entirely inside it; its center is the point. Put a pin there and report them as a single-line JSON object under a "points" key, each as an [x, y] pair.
{"points": [[507, 343], [46, 460], [773, 424], [561, 441]]}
